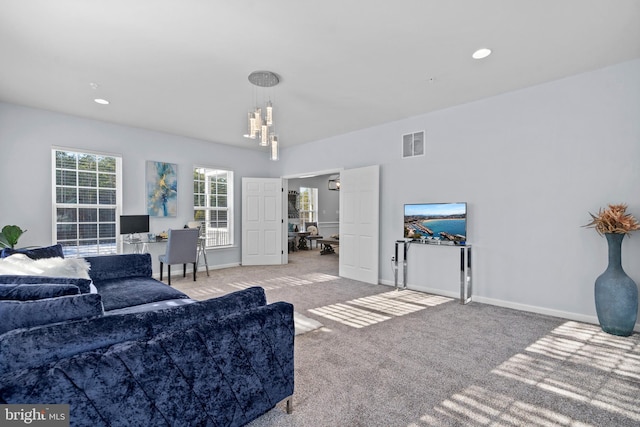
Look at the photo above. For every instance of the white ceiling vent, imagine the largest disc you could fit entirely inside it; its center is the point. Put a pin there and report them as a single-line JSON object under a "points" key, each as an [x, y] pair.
{"points": [[413, 144]]}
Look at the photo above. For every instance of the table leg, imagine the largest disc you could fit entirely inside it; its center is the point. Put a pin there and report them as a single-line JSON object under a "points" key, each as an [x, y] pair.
{"points": [[302, 244]]}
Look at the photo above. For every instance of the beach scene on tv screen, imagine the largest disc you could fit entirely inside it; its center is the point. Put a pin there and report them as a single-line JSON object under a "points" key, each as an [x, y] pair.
{"points": [[437, 221]]}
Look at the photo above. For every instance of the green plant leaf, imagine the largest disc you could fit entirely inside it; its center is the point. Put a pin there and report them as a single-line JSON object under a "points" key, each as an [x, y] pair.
{"points": [[11, 234], [4, 243]]}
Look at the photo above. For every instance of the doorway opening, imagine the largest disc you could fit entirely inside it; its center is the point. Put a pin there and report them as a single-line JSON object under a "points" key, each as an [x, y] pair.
{"points": [[313, 215]]}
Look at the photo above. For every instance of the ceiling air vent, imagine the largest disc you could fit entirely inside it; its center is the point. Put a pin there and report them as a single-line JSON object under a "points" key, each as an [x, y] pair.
{"points": [[413, 144]]}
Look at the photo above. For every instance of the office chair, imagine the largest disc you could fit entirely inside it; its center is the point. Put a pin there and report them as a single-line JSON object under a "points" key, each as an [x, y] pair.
{"points": [[182, 248]]}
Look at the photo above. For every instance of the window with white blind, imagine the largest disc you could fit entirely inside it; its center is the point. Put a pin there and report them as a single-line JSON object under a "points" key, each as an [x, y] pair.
{"points": [[308, 205], [213, 205], [87, 195]]}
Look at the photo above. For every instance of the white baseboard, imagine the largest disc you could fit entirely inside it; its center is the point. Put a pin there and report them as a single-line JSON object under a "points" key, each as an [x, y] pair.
{"points": [[455, 295], [539, 310], [516, 306], [201, 268]]}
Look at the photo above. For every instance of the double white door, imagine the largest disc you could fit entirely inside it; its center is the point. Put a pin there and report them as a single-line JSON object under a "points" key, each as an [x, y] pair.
{"points": [[264, 232]]}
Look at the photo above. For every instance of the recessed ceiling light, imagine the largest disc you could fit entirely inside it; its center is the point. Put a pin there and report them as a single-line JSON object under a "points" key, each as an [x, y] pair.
{"points": [[101, 101], [481, 53]]}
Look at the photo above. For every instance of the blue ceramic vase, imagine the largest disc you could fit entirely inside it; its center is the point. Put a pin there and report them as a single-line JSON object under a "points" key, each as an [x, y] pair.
{"points": [[616, 294]]}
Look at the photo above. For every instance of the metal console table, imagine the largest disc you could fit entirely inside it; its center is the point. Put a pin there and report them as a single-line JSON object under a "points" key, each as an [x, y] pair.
{"points": [[465, 265]]}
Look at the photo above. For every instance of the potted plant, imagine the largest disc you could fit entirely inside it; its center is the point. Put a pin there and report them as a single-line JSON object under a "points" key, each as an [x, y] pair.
{"points": [[616, 294], [9, 236]]}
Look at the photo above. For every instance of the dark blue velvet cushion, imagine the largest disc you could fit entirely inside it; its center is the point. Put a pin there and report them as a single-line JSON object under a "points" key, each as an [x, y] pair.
{"points": [[125, 280], [26, 314], [132, 291], [109, 267], [35, 253], [83, 284], [225, 372], [26, 292], [48, 343]]}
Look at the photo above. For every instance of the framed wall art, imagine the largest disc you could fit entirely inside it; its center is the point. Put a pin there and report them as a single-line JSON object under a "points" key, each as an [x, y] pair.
{"points": [[162, 189]]}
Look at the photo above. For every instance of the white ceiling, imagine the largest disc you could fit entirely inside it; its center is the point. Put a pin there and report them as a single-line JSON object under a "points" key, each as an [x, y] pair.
{"points": [[181, 66]]}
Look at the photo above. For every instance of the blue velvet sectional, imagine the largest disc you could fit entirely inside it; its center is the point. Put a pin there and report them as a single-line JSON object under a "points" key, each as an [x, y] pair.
{"points": [[140, 353], [126, 283]]}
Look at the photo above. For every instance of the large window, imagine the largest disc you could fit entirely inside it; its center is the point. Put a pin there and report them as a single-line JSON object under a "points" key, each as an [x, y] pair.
{"points": [[86, 200], [308, 205], [213, 205]]}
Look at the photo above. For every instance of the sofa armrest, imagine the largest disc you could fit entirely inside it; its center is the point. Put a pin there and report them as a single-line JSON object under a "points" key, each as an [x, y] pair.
{"points": [[108, 267], [224, 372]]}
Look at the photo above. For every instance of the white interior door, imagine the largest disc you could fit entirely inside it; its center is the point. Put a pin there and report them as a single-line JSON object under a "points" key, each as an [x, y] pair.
{"points": [[359, 223], [262, 221]]}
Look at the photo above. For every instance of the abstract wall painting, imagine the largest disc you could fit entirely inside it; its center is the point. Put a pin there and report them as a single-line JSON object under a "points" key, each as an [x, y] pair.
{"points": [[162, 189]]}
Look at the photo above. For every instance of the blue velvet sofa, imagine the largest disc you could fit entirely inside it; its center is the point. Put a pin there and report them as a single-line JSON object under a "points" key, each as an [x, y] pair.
{"points": [[125, 283], [220, 362]]}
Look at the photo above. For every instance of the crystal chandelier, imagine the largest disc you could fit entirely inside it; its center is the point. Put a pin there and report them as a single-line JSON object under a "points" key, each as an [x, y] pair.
{"points": [[260, 119]]}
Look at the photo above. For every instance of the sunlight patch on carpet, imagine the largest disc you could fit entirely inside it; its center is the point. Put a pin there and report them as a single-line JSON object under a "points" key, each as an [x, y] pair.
{"points": [[304, 324], [204, 292], [377, 308], [478, 406], [285, 281], [563, 362], [349, 315], [320, 277]]}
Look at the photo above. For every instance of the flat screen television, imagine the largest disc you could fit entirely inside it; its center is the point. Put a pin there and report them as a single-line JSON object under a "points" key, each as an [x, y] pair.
{"points": [[132, 224], [436, 221]]}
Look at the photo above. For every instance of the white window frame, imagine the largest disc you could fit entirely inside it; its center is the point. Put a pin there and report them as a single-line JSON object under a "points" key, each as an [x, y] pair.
{"points": [[216, 236], [103, 244], [308, 211], [413, 144]]}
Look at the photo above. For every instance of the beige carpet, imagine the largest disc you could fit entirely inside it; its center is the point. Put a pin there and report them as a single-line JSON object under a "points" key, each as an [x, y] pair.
{"points": [[222, 281], [387, 358], [304, 324]]}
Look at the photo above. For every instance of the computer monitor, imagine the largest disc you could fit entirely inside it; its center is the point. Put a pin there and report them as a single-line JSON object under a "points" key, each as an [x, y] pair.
{"points": [[132, 224]]}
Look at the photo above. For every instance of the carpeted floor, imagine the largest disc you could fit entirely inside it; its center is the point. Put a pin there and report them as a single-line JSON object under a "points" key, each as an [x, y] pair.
{"points": [[404, 358]]}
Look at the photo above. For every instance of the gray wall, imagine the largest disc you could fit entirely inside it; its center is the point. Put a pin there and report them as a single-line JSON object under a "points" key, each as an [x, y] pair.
{"points": [[27, 136], [328, 200], [530, 164]]}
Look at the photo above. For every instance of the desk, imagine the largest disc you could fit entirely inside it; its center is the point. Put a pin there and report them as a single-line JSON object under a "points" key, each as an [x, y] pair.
{"points": [[302, 240], [202, 249], [141, 245]]}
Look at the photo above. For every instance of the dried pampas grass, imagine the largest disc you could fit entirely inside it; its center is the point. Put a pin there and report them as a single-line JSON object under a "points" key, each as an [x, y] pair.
{"points": [[614, 219]]}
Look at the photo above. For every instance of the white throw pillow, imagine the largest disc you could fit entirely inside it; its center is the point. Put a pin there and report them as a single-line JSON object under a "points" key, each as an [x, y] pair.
{"points": [[22, 265], [312, 230]]}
